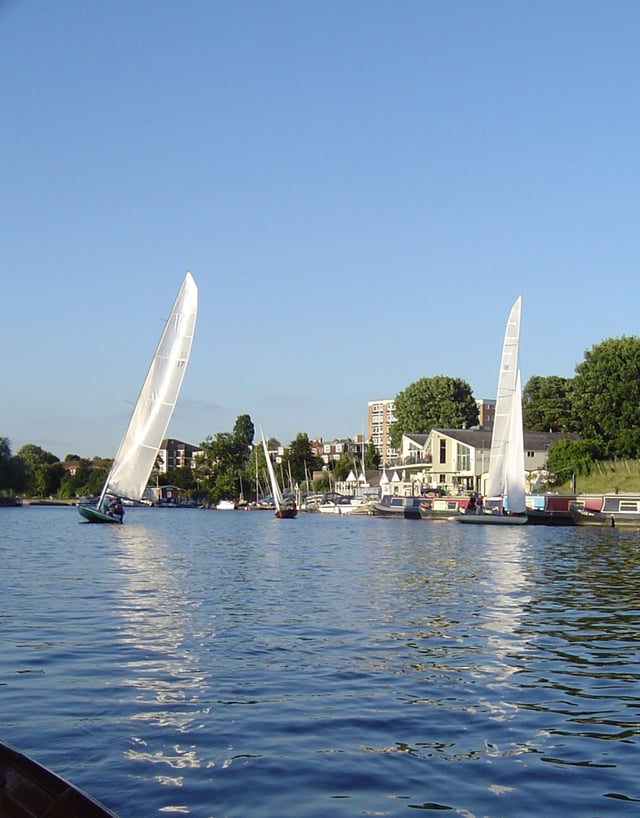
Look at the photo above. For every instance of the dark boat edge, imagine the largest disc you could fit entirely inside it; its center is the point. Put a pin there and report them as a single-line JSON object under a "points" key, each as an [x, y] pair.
{"points": [[30, 790]]}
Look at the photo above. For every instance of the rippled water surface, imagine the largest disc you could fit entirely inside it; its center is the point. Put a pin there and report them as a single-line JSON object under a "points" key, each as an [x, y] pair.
{"points": [[217, 664]]}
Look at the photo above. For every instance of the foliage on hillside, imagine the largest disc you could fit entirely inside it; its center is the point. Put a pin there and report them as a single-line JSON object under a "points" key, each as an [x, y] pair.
{"points": [[606, 476]]}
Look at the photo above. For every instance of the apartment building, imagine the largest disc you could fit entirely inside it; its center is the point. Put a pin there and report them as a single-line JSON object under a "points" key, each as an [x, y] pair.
{"points": [[380, 416], [175, 454]]}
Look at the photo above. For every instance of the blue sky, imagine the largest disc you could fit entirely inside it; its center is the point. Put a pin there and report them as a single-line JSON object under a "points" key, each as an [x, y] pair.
{"points": [[360, 189]]}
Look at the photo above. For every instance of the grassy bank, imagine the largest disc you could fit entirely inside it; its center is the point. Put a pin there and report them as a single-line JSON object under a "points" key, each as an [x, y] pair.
{"points": [[607, 476]]}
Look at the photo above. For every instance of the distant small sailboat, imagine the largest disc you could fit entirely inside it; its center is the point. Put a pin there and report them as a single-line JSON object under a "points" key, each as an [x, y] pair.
{"points": [[284, 509], [139, 448], [506, 466]]}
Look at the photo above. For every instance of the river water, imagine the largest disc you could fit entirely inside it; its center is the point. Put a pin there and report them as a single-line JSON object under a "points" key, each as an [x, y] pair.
{"points": [[225, 664]]}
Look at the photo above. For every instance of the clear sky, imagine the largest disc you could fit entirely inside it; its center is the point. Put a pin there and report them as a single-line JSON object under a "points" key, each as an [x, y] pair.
{"points": [[361, 190]]}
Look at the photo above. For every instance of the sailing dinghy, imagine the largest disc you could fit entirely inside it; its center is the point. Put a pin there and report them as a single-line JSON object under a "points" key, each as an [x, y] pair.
{"points": [[284, 510], [506, 466], [139, 448]]}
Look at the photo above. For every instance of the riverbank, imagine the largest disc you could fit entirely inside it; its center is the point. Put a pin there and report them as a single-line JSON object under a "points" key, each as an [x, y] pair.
{"points": [[606, 477]]}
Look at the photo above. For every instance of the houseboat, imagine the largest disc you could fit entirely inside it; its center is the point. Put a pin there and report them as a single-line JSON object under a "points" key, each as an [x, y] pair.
{"points": [[441, 508], [550, 509], [611, 510], [392, 505]]}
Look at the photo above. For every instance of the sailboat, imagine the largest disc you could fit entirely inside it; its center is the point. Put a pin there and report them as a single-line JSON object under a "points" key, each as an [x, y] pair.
{"points": [[139, 447], [284, 509], [506, 466]]}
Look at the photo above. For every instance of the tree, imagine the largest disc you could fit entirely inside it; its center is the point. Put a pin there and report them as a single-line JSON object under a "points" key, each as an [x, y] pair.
{"points": [[17, 480], [182, 477], [5, 457], [41, 481], [343, 466], [546, 404], [568, 457], [606, 396], [372, 456], [431, 402], [225, 460], [300, 459], [244, 431]]}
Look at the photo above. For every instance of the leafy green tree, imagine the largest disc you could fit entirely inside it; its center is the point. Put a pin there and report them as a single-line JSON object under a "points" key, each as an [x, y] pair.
{"points": [[568, 457], [606, 396], [183, 477], [244, 431], [431, 402], [300, 459], [343, 466], [17, 480], [85, 471], [96, 479], [40, 481], [53, 476], [5, 457], [547, 404], [372, 458], [225, 459], [255, 474]]}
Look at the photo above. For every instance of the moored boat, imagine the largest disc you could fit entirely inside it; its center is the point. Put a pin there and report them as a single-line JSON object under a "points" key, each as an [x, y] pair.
{"points": [[442, 508], [489, 518], [346, 505], [30, 790], [10, 500], [550, 509], [391, 505], [610, 510]]}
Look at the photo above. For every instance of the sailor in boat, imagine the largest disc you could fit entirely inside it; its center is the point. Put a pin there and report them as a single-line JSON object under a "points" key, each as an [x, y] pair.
{"points": [[113, 507]]}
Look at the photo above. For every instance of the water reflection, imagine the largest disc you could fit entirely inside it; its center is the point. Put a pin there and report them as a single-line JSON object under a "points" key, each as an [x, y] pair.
{"points": [[157, 612], [229, 664]]}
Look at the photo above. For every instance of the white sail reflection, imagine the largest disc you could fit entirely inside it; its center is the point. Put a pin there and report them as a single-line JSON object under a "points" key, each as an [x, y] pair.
{"points": [[157, 619], [506, 643]]}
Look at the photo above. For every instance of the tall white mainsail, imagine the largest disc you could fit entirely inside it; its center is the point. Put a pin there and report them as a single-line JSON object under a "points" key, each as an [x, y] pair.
{"points": [[514, 471], [139, 447], [504, 402], [278, 499]]}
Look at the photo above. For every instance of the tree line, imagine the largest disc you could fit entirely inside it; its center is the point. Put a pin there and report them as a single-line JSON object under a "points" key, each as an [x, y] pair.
{"points": [[232, 465], [600, 404]]}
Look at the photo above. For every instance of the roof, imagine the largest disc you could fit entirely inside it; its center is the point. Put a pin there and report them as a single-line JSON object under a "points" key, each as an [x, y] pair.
{"points": [[481, 438], [420, 440]]}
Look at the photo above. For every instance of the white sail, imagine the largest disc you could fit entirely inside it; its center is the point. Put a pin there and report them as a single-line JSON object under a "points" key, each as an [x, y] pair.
{"points": [[504, 401], [514, 472], [139, 447], [278, 499]]}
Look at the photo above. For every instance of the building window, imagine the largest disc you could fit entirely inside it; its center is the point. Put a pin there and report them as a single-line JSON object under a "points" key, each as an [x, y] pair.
{"points": [[443, 450]]}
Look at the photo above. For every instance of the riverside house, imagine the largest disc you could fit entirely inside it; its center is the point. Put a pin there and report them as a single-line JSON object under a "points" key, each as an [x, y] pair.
{"points": [[457, 460]]}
